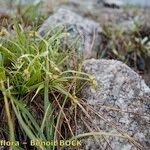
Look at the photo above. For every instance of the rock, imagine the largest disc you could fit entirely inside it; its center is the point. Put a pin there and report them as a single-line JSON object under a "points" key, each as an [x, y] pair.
{"points": [[86, 30], [119, 3], [122, 100], [98, 11], [113, 3], [2, 148], [87, 4], [94, 9], [6, 12], [143, 3]]}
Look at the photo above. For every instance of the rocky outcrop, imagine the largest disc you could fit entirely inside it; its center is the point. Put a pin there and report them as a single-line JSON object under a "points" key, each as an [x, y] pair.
{"points": [[76, 27], [119, 106]]}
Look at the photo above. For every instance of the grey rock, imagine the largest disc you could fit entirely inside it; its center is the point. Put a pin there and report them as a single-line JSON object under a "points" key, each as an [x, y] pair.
{"points": [[87, 31], [113, 3], [120, 3], [122, 99], [86, 4], [92, 9], [141, 3], [96, 10]]}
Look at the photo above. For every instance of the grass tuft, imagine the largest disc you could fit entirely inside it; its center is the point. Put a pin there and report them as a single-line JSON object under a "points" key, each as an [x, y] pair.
{"points": [[37, 85]]}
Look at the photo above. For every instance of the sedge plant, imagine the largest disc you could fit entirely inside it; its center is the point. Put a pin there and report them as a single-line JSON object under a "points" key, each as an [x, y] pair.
{"points": [[36, 87]]}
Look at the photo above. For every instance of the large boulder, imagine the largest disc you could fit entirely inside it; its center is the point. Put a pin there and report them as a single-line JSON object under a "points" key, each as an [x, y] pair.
{"points": [[86, 31], [119, 105]]}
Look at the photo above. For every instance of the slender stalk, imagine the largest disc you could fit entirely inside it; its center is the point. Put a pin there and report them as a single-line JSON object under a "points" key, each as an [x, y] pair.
{"points": [[10, 123]]}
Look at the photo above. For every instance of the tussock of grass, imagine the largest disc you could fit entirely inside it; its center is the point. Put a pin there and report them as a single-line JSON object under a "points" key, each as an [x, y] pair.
{"points": [[37, 85]]}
